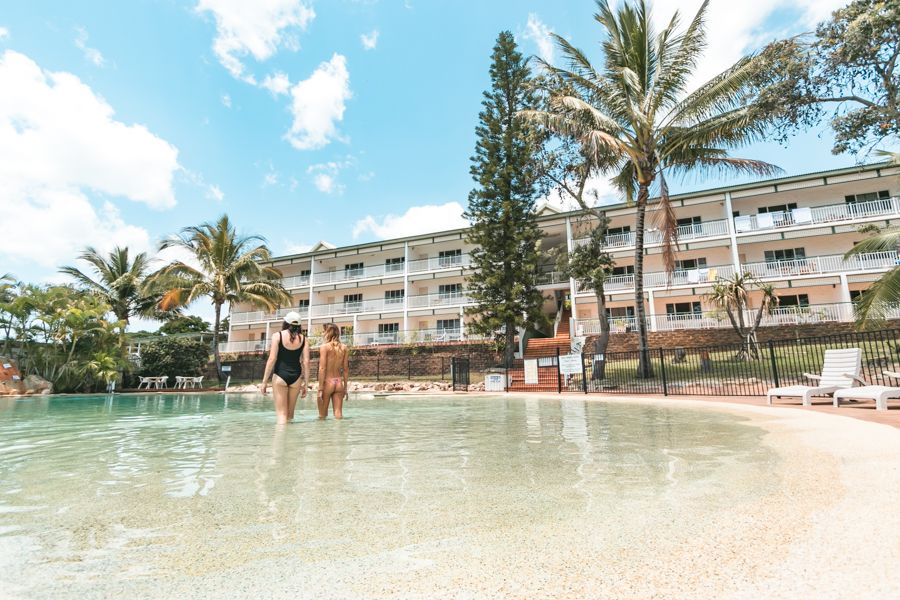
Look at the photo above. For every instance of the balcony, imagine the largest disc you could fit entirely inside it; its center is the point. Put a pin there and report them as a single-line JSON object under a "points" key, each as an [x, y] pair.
{"points": [[257, 316], [369, 272], [379, 305], [821, 265], [686, 233], [247, 346], [439, 263], [687, 277], [550, 278], [439, 300], [784, 315], [298, 281], [818, 215]]}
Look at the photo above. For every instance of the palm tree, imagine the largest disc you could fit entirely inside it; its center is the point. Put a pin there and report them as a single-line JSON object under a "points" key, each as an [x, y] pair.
{"points": [[733, 296], [876, 304], [636, 117], [230, 270], [120, 281]]}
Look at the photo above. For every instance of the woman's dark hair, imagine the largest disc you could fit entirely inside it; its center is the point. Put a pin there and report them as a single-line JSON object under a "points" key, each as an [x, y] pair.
{"points": [[295, 330]]}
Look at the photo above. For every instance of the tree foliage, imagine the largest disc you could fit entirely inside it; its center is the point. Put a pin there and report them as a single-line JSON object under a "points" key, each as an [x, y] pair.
{"points": [[847, 70], [640, 123], [501, 207], [230, 269], [881, 301], [185, 324], [174, 357], [734, 297]]}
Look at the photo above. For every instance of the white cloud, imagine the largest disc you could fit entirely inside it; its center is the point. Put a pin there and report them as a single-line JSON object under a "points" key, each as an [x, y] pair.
{"points": [[258, 29], [539, 34], [277, 83], [4, 33], [270, 178], [736, 28], [318, 104], [226, 100], [59, 142], [369, 40], [92, 54], [416, 220], [215, 193], [325, 175]]}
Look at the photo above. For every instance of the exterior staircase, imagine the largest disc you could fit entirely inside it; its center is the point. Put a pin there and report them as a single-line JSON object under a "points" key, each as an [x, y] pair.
{"points": [[543, 348]]}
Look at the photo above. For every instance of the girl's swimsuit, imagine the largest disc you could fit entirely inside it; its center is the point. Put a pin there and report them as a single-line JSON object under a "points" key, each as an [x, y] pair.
{"points": [[287, 363]]}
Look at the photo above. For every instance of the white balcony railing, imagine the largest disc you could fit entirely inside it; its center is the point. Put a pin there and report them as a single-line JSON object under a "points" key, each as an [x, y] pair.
{"points": [[256, 316], [247, 346], [652, 237], [817, 215], [420, 336], [434, 300], [818, 265], [551, 278], [363, 306], [685, 277], [297, 281], [368, 272], [439, 263]]}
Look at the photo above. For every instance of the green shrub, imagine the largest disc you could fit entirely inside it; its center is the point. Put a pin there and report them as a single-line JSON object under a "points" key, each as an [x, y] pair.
{"points": [[175, 356]]}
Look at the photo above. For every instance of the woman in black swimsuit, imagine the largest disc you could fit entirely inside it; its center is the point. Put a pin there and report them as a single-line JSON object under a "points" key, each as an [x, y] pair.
{"points": [[288, 366]]}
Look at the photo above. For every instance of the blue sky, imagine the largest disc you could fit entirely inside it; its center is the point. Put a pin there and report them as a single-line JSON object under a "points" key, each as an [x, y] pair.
{"points": [[343, 120]]}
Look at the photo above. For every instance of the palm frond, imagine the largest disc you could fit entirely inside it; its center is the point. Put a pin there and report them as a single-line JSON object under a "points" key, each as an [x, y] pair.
{"points": [[881, 301], [886, 241]]}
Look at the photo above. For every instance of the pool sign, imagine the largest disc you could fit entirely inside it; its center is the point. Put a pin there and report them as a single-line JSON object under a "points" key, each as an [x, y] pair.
{"points": [[493, 382], [531, 372], [226, 368], [570, 364]]}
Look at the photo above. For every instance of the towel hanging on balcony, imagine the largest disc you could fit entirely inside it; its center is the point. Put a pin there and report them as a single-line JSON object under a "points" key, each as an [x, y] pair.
{"points": [[743, 224], [802, 216], [765, 221], [693, 276], [712, 275]]}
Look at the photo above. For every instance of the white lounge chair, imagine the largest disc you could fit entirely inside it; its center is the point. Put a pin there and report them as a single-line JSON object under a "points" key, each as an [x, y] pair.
{"points": [[879, 393], [840, 370]]}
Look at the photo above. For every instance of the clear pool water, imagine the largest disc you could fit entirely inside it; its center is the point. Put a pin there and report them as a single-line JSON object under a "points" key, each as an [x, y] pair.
{"points": [[164, 495]]}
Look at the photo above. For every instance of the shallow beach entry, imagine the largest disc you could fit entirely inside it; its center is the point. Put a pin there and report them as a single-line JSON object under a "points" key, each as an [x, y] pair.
{"points": [[203, 495]]}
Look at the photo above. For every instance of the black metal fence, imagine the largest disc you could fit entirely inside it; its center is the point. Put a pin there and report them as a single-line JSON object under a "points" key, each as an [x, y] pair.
{"points": [[712, 370]]}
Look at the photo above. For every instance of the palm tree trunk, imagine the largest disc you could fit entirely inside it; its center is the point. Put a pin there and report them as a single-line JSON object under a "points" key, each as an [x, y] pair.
{"points": [[645, 369], [599, 370], [218, 361]]}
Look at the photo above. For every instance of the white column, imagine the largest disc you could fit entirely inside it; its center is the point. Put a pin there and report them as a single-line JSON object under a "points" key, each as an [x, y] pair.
{"points": [[405, 286], [355, 330], [735, 255], [462, 323], [569, 247], [312, 275], [651, 304], [846, 308], [268, 323]]}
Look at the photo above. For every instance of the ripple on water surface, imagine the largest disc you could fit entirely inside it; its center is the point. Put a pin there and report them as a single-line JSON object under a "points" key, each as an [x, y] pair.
{"points": [[149, 493]]}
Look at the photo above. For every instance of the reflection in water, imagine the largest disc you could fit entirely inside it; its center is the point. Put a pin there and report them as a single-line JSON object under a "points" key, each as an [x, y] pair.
{"points": [[128, 487]]}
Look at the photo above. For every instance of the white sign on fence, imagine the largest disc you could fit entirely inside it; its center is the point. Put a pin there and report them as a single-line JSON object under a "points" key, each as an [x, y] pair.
{"points": [[577, 345], [531, 372], [493, 382], [570, 364]]}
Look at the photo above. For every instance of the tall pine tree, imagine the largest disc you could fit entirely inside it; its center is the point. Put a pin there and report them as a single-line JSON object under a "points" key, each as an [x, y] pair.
{"points": [[501, 207]]}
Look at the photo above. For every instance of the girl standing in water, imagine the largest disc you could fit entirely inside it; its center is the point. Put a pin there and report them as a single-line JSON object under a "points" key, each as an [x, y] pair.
{"points": [[288, 366], [334, 369]]}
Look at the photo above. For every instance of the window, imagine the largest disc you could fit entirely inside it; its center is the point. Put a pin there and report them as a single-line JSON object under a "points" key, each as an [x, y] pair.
{"points": [[394, 265], [621, 312], [735, 213], [778, 208], [353, 301], [393, 297], [305, 273], [854, 295], [262, 336], [868, 197], [624, 270], [690, 263], [445, 324], [353, 270], [688, 221], [618, 230], [795, 300], [449, 258], [303, 303], [785, 254], [684, 308], [388, 328], [450, 290]]}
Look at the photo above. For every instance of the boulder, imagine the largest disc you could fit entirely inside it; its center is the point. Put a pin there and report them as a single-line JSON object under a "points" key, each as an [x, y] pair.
{"points": [[38, 385]]}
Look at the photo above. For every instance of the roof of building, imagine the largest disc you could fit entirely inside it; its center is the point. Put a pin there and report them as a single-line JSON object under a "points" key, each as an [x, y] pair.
{"points": [[546, 211]]}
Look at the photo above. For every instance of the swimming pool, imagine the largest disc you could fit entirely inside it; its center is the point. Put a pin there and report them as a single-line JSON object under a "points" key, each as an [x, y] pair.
{"points": [[165, 495]]}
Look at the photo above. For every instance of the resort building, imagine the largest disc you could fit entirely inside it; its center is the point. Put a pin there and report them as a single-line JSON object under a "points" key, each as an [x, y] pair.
{"points": [[792, 232]]}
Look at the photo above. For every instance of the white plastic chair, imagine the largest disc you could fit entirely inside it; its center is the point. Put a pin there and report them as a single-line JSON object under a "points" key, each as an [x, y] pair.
{"points": [[879, 393], [840, 370], [144, 382]]}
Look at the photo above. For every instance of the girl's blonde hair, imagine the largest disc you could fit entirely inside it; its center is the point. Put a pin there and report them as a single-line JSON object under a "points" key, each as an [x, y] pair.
{"points": [[332, 334]]}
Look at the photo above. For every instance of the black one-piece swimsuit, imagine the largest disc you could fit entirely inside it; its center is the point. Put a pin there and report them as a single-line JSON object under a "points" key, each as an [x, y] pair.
{"points": [[287, 363]]}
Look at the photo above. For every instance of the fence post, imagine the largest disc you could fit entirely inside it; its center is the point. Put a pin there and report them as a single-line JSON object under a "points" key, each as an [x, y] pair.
{"points": [[583, 375], [377, 369], [409, 367], [773, 363], [442, 368], [662, 370], [558, 374]]}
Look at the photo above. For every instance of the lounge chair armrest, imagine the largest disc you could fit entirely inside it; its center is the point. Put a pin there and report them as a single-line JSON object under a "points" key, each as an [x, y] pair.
{"points": [[857, 378], [891, 374], [811, 376]]}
